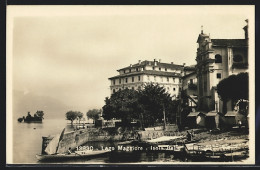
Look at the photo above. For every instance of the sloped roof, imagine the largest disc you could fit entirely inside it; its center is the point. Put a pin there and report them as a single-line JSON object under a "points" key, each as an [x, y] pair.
{"points": [[192, 67], [159, 64], [229, 42], [232, 113], [212, 113], [194, 114], [187, 75], [201, 36], [149, 72]]}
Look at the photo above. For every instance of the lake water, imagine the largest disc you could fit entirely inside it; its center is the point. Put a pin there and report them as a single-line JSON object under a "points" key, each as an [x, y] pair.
{"points": [[27, 142], [27, 138]]}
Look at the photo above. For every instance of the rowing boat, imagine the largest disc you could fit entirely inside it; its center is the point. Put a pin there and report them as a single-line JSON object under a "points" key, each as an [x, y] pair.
{"points": [[76, 154]]}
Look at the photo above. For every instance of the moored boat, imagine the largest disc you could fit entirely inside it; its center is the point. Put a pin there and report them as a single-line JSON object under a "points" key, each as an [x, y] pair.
{"points": [[74, 155]]}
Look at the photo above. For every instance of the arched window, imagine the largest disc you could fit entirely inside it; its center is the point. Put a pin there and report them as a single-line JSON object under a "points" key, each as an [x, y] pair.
{"points": [[218, 58], [237, 58]]}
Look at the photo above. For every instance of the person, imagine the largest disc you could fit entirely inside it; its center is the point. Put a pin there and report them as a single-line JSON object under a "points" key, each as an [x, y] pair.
{"points": [[239, 124], [69, 151], [188, 136], [192, 133]]}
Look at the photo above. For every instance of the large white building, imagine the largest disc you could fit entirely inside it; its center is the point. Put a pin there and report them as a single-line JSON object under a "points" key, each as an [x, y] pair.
{"points": [[167, 75]]}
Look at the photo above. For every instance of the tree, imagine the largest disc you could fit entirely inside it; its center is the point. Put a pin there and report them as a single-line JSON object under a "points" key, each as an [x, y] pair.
{"points": [[148, 105], [234, 88], [72, 115], [154, 101], [80, 115], [184, 109], [39, 113], [94, 114], [122, 105]]}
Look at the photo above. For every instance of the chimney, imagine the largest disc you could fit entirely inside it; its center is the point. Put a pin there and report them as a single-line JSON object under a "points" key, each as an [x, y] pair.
{"points": [[130, 65], [184, 64], [171, 62], [139, 62], [159, 60]]}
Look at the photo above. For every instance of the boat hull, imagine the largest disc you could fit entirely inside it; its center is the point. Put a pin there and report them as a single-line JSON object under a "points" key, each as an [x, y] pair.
{"points": [[74, 155]]}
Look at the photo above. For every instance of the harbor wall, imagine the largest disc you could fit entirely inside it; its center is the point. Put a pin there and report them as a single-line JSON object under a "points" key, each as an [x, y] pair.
{"points": [[80, 137], [76, 138]]}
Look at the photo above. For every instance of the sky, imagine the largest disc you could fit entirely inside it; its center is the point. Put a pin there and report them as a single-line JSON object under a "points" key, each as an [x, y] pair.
{"points": [[62, 56]]}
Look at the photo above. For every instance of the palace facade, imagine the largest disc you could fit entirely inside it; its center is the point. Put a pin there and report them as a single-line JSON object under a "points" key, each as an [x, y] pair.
{"points": [[136, 76], [217, 59]]}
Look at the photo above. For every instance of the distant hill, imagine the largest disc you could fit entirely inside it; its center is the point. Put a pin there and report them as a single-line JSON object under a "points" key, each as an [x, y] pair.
{"points": [[24, 103]]}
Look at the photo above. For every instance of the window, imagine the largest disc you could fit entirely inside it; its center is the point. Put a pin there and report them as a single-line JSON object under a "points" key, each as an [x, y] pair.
{"points": [[139, 78], [129, 70], [191, 81], [124, 71], [174, 89], [154, 78], [160, 68], [133, 79], [167, 79], [174, 80], [133, 88], [126, 80], [168, 88], [218, 58], [119, 81], [136, 69], [237, 58], [180, 80], [148, 77], [114, 90], [153, 68], [165, 69], [114, 82], [219, 75]]}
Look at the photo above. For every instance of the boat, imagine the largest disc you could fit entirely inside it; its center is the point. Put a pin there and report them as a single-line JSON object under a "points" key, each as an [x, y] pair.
{"points": [[73, 155], [221, 149], [164, 139]]}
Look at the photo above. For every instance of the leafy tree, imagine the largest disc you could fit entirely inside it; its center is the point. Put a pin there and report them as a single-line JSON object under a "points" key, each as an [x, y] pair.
{"points": [[72, 115], [80, 115], [184, 109], [94, 114], [148, 106], [122, 105], [234, 88], [39, 113], [154, 101]]}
